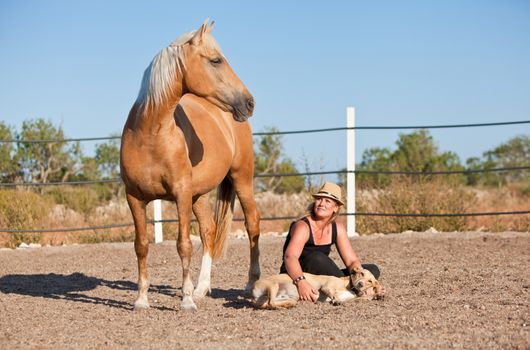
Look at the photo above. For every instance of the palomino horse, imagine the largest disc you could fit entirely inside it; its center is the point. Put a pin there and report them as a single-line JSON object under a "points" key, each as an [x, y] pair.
{"points": [[180, 148]]}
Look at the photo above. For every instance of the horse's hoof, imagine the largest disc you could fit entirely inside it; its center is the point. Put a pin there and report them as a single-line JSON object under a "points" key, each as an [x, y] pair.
{"points": [[250, 285], [188, 306], [141, 305]]}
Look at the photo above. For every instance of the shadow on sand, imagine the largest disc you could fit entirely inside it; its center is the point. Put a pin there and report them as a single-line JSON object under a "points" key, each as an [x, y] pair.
{"points": [[71, 287], [235, 298]]}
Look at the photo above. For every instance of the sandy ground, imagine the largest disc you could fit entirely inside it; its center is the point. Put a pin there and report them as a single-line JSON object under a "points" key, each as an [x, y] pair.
{"points": [[444, 290]]}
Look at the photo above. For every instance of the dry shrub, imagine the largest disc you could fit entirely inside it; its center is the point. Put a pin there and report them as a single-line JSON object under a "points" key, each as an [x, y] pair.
{"points": [[18, 238], [29, 210], [406, 195], [81, 199], [115, 211], [269, 205], [272, 205], [21, 209], [512, 197], [60, 216], [106, 236], [275, 205]]}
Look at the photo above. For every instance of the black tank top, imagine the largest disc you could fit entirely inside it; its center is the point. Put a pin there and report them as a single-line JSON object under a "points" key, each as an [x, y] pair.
{"points": [[310, 245]]}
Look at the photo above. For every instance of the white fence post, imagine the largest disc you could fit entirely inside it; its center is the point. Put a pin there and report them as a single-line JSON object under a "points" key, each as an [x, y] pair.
{"points": [[157, 208], [350, 179]]}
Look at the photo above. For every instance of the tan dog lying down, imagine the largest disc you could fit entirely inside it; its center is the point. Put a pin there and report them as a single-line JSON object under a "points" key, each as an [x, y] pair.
{"points": [[278, 291]]}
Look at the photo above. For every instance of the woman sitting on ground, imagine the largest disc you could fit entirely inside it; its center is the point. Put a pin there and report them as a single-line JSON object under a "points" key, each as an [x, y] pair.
{"points": [[309, 242]]}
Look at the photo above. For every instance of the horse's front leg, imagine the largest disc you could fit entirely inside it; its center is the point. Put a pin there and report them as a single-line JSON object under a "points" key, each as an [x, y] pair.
{"points": [[203, 213], [141, 246], [184, 245], [245, 193]]}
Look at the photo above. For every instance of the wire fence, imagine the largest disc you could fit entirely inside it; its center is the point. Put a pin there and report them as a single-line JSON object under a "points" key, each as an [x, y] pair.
{"points": [[447, 126], [371, 172], [329, 172], [275, 218]]}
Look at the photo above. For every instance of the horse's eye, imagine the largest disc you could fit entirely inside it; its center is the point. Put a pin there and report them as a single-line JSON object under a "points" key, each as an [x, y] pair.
{"points": [[216, 61]]}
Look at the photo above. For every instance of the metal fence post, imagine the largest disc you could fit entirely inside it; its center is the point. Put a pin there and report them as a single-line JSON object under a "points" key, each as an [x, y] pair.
{"points": [[350, 179], [157, 208]]}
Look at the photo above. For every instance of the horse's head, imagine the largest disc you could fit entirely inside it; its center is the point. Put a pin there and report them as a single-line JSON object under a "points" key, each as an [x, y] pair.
{"points": [[206, 73]]}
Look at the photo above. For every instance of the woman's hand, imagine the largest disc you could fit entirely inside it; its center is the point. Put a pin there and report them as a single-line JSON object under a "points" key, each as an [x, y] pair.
{"points": [[306, 291]]}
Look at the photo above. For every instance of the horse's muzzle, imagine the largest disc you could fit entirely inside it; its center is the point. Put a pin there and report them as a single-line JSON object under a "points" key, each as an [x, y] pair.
{"points": [[244, 109]]}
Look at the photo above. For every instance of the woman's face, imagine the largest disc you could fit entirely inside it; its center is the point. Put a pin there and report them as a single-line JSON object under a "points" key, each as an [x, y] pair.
{"points": [[325, 207]]}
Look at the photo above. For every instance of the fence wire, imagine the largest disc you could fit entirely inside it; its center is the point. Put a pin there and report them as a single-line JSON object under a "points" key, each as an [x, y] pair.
{"points": [[291, 132], [275, 218], [370, 172]]}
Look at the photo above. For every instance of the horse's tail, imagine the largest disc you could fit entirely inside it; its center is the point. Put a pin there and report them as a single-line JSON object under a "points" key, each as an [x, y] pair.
{"points": [[224, 209]]}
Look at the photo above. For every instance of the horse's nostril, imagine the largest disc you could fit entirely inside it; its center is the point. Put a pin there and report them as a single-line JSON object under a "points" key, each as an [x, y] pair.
{"points": [[250, 104]]}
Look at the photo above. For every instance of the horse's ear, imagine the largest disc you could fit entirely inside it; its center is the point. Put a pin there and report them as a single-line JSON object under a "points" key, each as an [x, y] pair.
{"points": [[211, 27], [197, 37]]}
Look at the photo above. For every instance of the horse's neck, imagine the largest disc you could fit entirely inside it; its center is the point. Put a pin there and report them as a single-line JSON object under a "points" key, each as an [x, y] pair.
{"points": [[152, 117]]}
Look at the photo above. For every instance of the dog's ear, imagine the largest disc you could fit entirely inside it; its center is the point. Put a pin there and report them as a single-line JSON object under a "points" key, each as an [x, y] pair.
{"points": [[358, 271]]}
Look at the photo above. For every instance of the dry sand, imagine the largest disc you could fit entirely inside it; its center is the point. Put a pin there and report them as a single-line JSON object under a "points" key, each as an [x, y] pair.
{"points": [[444, 290]]}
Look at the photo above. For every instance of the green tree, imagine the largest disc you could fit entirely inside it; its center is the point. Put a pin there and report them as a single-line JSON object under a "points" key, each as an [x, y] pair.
{"points": [[47, 161], [375, 159], [474, 163], [416, 152], [108, 164], [513, 153], [89, 169], [9, 168], [108, 158], [269, 158]]}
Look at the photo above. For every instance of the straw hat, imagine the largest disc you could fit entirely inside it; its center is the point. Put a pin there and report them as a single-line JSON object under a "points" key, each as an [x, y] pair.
{"points": [[330, 190]]}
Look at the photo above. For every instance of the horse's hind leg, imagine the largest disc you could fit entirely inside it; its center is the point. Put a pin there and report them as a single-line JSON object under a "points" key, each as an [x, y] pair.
{"points": [[141, 246], [203, 213], [245, 194], [184, 245]]}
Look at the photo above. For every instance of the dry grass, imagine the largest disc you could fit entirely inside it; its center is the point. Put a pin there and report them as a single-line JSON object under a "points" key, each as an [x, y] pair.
{"points": [[508, 198], [436, 196], [414, 196], [22, 209], [28, 210]]}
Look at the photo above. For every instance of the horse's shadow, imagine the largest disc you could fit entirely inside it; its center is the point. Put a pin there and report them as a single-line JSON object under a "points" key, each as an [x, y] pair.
{"points": [[235, 298], [75, 287]]}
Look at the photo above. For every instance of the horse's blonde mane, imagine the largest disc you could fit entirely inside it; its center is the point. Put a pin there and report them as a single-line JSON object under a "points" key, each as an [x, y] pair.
{"points": [[159, 77]]}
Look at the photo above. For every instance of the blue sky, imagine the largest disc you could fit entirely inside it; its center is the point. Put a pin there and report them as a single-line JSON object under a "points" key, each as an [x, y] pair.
{"points": [[80, 63]]}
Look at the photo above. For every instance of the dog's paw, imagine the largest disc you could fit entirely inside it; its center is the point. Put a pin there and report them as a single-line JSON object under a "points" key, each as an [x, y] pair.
{"points": [[336, 302]]}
